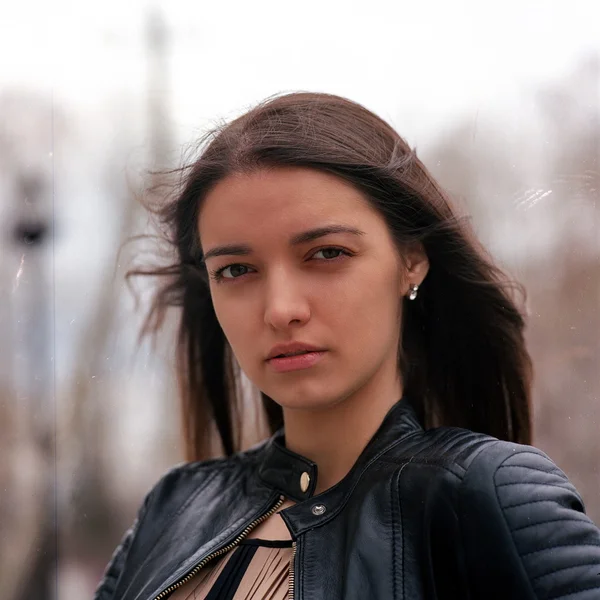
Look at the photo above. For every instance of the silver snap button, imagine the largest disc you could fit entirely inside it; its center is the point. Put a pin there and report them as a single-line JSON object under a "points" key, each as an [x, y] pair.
{"points": [[318, 509], [304, 481]]}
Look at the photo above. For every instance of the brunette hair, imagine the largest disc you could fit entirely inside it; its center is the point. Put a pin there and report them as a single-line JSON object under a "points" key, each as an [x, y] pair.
{"points": [[462, 351]]}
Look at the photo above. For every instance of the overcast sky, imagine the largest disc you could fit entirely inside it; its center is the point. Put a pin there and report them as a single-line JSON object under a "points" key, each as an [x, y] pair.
{"points": [[415, 63]]}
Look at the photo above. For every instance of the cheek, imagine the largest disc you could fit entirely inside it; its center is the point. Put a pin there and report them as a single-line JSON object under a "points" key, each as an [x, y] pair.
{"points": [[373, 307], [233, 320], [374, 289]]}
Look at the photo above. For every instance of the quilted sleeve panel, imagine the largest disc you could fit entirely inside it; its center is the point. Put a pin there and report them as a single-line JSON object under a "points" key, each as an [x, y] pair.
{"points": [[558, 544], [524, 528]]}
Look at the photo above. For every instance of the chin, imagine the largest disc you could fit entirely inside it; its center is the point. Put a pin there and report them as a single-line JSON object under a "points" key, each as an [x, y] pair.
{"points": [[303, 400]]}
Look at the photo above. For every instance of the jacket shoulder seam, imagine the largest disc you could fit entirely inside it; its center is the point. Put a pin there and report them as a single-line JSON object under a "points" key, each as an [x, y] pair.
{"points": [[412, 460]]}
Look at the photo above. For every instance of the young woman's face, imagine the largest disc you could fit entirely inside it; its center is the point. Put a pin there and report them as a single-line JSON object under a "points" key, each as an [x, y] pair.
{"points": [[340, 292]]}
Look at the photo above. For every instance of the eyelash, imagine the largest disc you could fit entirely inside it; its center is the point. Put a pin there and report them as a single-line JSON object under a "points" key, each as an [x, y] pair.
{"points": [[217, 275]]}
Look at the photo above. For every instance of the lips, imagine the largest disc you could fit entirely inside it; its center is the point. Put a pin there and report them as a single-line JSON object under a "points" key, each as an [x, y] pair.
{"points": [[292, 348], [292, 354], [299, 362]]}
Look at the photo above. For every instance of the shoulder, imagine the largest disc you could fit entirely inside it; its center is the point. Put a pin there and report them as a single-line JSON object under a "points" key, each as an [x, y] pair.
{"points": [[515, 482], [173, 491], [186, 479], [448, 448], [515, 471], [518, 509], [478, 455], [520, 485], [521, 522]]}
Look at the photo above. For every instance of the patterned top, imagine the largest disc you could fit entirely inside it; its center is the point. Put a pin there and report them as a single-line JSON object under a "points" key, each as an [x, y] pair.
{"points": [[256, 569]]}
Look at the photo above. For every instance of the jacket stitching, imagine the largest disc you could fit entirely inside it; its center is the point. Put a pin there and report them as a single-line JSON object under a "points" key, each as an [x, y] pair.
{"points": [[402, 528], [544, 523], [564, 569], [432, 444], [554, 485], [527, 467], [522, 556], [303, 571], [394, 538], [593, 587], [526, 502], [577, 543], [457, 441], [493, 478], [426, 463], [521, 454]]}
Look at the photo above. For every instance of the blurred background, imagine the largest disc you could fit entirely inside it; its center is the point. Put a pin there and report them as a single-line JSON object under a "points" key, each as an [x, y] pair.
{"points": [[501, 100]]}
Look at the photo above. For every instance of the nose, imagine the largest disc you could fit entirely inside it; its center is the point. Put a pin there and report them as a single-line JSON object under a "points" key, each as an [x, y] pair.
{"points": [[285, 303]]}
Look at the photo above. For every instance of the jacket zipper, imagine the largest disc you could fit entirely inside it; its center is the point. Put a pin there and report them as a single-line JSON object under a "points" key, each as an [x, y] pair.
{"points": [[226, 549], [291, 575]]}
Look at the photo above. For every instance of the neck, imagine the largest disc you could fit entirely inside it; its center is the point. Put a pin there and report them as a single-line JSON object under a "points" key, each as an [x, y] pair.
{"points": [[335, 436]]}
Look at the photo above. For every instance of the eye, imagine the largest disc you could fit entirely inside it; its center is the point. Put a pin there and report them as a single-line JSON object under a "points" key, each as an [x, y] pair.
{"points": [[339, 250], [218, 276]]}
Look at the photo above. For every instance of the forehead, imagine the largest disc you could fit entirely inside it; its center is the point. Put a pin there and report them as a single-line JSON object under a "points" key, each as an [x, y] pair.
{"points": [[277, 199]]}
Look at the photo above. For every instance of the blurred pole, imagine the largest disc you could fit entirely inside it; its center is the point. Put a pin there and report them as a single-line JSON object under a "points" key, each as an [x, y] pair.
{"points": [[32, 320]]}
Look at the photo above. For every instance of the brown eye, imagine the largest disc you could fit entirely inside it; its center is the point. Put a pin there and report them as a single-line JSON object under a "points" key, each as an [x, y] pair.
{"points": [[234, 268], [334, 250], [218, 274]]}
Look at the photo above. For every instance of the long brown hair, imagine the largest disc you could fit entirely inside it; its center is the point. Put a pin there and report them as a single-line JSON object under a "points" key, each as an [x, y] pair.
{"points": [[462, 353]]}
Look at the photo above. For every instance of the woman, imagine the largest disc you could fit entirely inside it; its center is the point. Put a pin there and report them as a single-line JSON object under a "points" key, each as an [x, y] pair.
{"points": [[397, 464]]}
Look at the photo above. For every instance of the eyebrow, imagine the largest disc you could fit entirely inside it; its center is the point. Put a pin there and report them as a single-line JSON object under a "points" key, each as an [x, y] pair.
{"points": [[295, 240]]}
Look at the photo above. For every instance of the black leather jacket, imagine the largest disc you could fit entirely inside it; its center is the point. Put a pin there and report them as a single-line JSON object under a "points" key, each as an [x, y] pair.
{"points": [[439, 514]]}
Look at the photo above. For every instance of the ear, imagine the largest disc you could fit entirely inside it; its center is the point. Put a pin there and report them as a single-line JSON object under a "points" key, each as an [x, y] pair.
{"points": [[416, 264]]}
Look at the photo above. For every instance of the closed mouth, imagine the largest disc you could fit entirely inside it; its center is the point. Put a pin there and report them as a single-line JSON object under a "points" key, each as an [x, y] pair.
{"points": [[295, 353]]}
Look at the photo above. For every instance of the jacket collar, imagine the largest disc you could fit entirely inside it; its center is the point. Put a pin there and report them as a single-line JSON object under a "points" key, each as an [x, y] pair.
{"points": [[295, 476]]}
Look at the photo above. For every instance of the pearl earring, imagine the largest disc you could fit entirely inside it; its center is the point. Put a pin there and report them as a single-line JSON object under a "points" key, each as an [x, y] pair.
{"points": [[413, 291]]}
